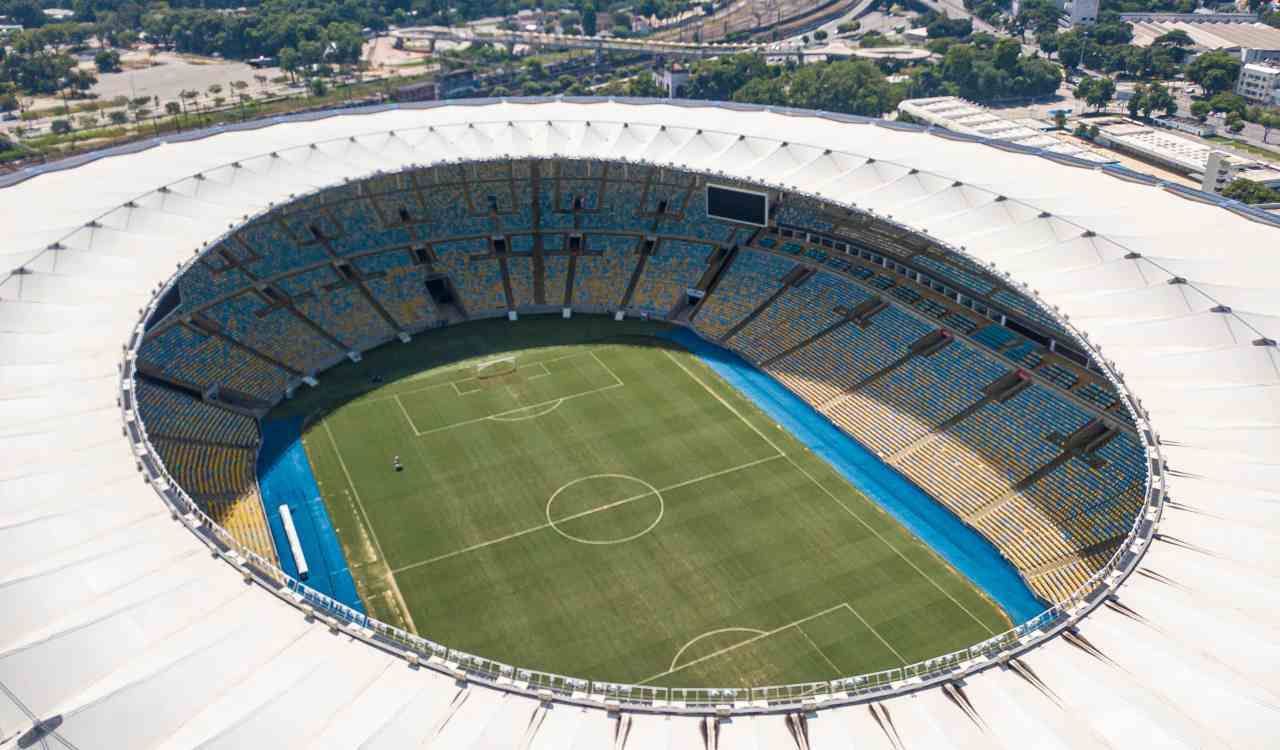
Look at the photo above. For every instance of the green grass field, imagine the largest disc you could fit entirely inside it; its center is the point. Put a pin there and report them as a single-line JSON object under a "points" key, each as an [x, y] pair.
{"points": [[611, 509]]}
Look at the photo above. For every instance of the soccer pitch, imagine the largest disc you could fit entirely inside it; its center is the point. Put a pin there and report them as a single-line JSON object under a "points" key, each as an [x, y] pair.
{"points": [[609, 508]]}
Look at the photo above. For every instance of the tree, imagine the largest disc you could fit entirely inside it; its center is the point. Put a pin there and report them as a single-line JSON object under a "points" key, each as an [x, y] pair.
{"points": [[1214, 71], [1060, 120], [289, 61], [717, 79], [1200, 110], [1229, 104], [172, 108], [820, 35], [79, 81], [107, 61], [1248, 191], [853, 87], [118, 117], [1158, 99], [589, 19], [317, 87], [1097, 92], [766, 91], [1268, 122], [60, 127], [1235, 125], [1175, 38]]}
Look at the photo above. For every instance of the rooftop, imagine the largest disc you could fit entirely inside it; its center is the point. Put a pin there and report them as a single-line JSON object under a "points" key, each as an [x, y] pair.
{"points": [[964, 116]]}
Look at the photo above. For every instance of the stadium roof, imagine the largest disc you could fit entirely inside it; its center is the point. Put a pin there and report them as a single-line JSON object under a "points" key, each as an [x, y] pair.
{"points": [[120, 630]]}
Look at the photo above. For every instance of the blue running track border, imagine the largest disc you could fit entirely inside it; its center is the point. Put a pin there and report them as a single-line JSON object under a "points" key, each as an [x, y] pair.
{"points": [[960, 545], [285, 478]]}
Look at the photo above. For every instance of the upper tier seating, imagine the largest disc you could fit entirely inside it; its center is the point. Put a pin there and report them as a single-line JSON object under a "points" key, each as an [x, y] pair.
{"points": [[618, 210], [675, 266], [477, 279], [752, 278], [272, 250], [204, 361], [346, 314], [276, 332], [362, 230], [694, 222], [401, 288], [174, 414]]}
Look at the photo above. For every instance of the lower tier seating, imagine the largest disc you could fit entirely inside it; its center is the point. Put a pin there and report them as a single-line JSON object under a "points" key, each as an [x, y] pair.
{"points": [[603, 272], [753, 277], [675, 266], [221, 480]]}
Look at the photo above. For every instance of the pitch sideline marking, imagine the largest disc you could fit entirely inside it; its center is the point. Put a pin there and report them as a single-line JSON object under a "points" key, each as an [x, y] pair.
{"points": [[395, 587], [830, 494], [540, 527], [686, 646], [662, 508]]}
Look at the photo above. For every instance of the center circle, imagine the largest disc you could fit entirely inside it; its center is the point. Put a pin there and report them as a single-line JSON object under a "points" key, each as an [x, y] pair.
{"points": [[585, 498]]}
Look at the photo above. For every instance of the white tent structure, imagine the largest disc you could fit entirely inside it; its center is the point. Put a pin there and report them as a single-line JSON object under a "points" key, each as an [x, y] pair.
{"points": [[119, 629]]}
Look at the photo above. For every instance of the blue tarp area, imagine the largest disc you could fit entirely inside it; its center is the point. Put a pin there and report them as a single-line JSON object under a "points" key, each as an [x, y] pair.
{"points": [[284, 475], [965, 549]]}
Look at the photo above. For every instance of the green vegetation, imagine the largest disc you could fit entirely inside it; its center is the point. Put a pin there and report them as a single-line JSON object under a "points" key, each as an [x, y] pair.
{"points": [[746, 560], [1106, 47], [1215, 71], [1248, 191]]}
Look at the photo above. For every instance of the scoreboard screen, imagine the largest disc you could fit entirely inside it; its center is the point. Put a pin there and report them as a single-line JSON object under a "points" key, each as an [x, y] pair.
{"points": [[733, 204]]}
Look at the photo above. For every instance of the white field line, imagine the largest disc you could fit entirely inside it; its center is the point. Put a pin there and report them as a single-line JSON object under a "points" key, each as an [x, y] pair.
{"points": [[818, 648], [587, 512], [607, 369], [545, 372], [876, 633], [742, 643], [501, 414], [676, 659], [454, 383], [407, 418], [831, 495], [395, 587]]}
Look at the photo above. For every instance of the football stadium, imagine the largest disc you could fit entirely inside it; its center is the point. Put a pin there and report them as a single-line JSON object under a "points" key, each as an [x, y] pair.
{"points": [[596, 423]]}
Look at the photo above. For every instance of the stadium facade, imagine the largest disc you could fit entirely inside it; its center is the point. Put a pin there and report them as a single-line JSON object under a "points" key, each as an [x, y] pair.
{"points": [[122, 630]]}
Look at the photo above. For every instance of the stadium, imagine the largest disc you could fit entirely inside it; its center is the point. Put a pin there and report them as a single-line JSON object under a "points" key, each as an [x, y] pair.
{"points": [[628, 424]]}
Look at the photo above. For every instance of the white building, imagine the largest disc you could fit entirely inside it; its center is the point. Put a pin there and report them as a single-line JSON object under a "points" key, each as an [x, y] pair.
{"points": [[1082, 12], [1259, 83], [963, 116]]}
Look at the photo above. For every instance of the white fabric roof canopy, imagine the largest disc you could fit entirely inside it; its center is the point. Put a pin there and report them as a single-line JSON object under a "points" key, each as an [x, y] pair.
{"points": [[119, 622]]}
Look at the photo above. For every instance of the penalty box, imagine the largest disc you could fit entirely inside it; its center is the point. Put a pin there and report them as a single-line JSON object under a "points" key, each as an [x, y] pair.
{"points": [[506, 389]]}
